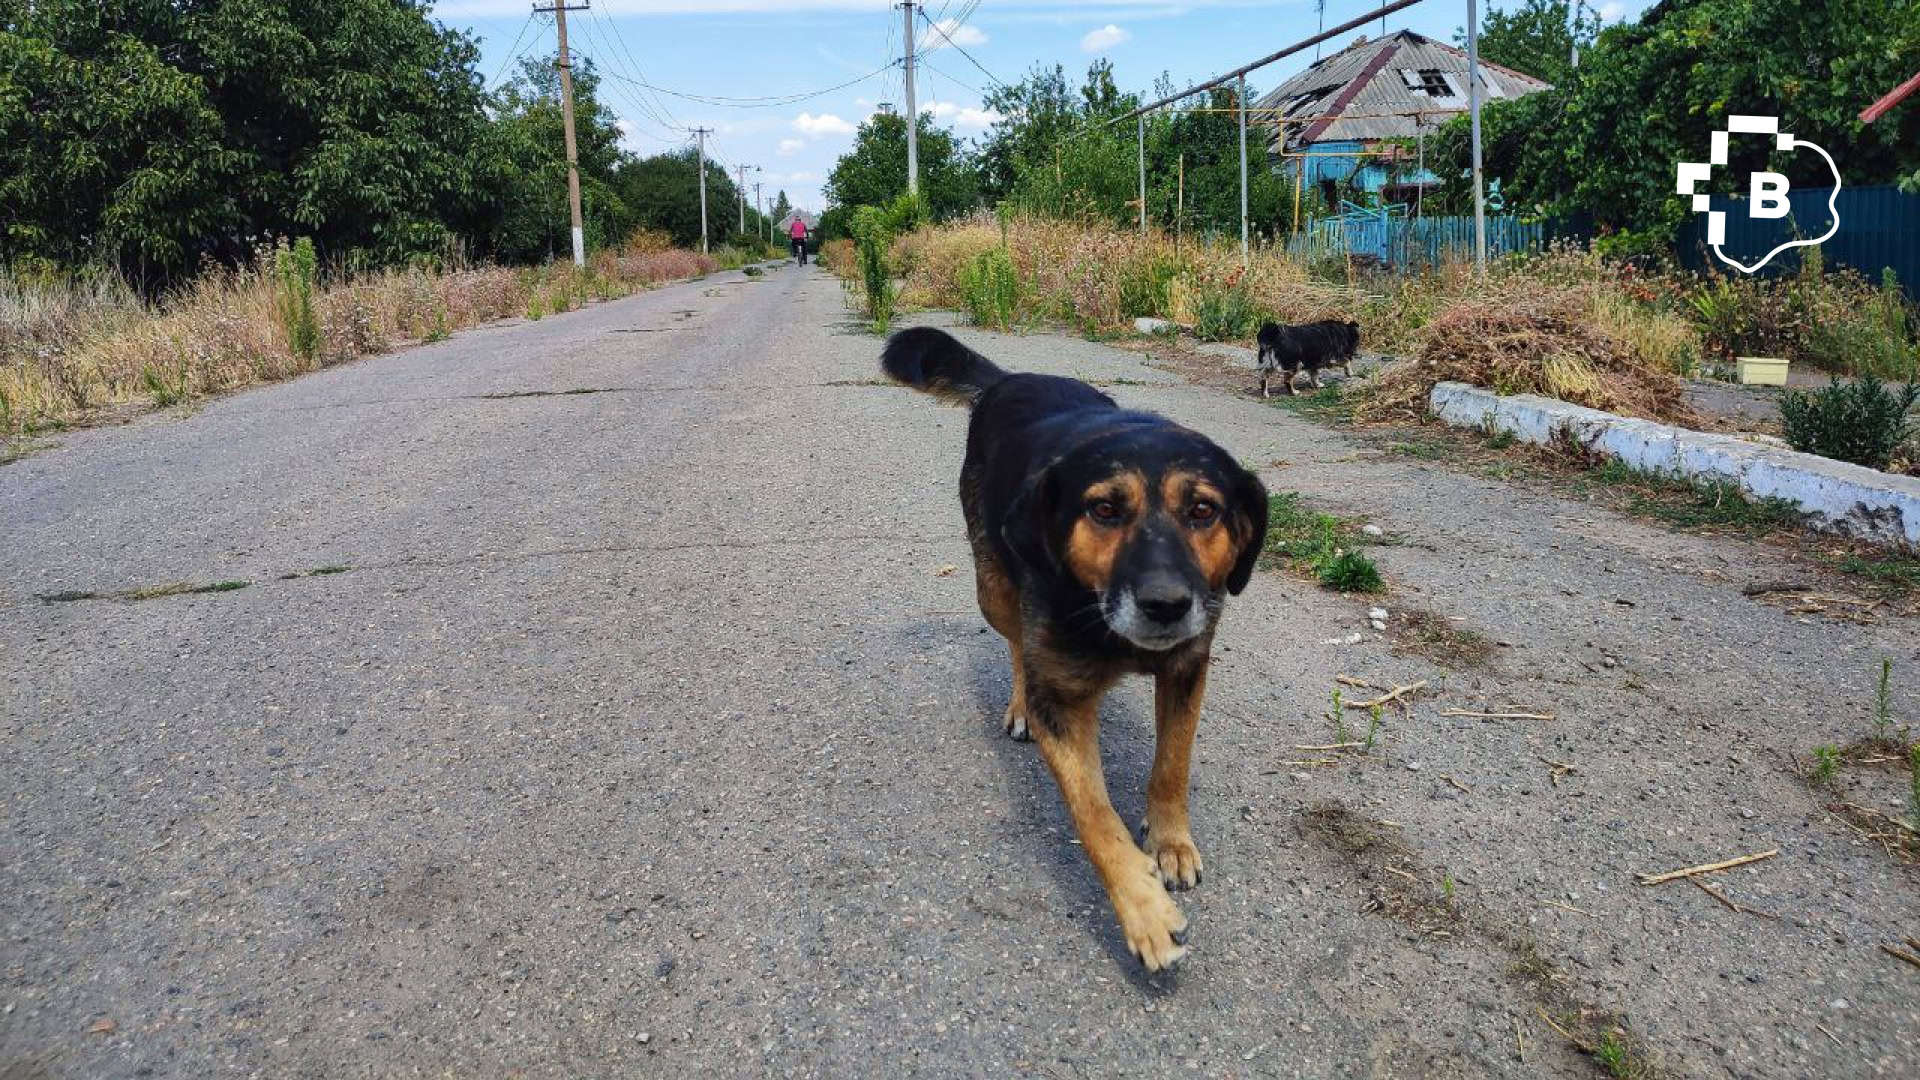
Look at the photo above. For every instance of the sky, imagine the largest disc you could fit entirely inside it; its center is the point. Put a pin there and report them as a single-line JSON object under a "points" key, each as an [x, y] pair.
{"points": [[776, 51]]}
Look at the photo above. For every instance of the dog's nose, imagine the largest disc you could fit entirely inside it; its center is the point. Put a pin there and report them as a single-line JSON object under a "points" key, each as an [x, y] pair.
{"points": [[1164, 600]]}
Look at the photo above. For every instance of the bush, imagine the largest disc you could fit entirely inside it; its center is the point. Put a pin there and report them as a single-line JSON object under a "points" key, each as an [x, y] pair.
{"points": [[871, 238], [294, 272], [1145, 286], [1224, 313], [1863, 422], [991, 289]]}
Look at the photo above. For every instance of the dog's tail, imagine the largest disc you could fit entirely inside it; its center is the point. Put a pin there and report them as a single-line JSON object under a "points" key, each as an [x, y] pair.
{"points": [[934, 361]]}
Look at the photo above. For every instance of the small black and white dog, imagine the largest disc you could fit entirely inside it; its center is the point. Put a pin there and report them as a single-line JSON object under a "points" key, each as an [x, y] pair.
{"points": [[1316, 345]]}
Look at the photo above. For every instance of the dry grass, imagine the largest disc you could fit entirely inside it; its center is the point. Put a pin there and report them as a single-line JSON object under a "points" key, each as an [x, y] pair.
{"points": [[1543, 341], [73, 349]]}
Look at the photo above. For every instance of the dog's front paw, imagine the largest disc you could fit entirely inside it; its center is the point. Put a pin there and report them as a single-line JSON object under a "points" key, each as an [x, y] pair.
{"points": [[1175, 858], [1016, 721], [1155, 928]]}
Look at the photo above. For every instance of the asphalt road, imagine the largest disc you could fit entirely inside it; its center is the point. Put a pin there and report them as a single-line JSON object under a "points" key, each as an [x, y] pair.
{"points": [[644, 731]]}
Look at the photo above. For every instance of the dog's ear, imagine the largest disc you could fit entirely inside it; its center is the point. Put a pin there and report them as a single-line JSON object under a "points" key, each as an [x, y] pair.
{"points": [[1250, 504], [1029, 522]]}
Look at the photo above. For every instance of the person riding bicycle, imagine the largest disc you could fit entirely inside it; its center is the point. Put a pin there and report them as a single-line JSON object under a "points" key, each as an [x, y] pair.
{"points": [[798, 231]]}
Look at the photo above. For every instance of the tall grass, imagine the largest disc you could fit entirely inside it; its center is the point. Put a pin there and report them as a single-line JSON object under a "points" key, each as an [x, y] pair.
{"points": [[72, 346]]}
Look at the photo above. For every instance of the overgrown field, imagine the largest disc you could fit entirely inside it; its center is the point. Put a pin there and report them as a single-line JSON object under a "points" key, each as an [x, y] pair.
{"points": [[1565, 322], [72, 346]]}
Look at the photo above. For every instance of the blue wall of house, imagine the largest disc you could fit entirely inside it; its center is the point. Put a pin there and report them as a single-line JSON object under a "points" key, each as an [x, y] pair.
{"points": [[1338, 169]]}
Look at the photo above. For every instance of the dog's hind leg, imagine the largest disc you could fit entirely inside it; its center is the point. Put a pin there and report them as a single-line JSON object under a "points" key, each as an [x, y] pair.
{"points": [[1264, 373], [1166, 833], [1069, 736]]}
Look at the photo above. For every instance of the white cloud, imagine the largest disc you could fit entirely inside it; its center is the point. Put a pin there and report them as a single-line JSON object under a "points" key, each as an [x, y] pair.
{"points": [[790, 147], [802, 177], [947, 31], [815, 127], [1103, 39], [1612, 10], [964, 117]]}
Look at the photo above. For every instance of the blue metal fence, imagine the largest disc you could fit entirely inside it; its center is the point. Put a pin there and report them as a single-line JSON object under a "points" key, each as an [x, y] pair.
{"points": [[1879, 229], [1408, 243]]}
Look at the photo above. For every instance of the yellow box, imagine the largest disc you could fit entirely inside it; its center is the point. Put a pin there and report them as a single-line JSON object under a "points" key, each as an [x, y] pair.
{"points": [[1762, 371]]}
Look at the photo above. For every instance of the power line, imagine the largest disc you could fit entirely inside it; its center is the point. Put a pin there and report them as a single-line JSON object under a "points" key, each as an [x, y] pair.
{"points": [[513, 51], [991, 77], [750, 102], [658, 106]]}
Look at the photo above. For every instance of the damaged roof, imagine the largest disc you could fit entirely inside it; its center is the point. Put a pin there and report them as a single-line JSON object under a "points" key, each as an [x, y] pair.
{"points": [[1377, 89]]}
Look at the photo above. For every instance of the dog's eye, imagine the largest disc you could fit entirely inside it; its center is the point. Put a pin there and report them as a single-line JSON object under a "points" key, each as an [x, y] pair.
{"points": [[1105, 511], [1203, 513]]}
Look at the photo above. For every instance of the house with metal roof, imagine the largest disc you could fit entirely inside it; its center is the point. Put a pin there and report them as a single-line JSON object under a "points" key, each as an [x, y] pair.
{"points": [[1327, 123]]}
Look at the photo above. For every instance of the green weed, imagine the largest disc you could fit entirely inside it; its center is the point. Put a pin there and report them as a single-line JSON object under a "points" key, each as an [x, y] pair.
{"points": [[1319, 544], [1694, 505], [1826, 765], [1611, 1053], [295, 272], [990, 287]]}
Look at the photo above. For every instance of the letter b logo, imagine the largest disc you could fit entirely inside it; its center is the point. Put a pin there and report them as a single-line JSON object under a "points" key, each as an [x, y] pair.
{"points": [[1769, 192]]}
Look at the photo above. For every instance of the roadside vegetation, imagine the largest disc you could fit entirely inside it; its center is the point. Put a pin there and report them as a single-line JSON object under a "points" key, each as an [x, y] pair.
{"points": [[72, 345]]}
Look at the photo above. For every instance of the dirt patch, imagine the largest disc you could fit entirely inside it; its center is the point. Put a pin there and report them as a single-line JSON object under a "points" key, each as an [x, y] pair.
{"points": [[1426, 900], [1437, 638]]}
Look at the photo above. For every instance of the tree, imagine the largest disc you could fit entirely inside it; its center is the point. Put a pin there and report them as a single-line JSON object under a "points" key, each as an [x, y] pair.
{"points": [[1537, 38], [523, 159], [1647, 95], [150, 133], [874, 172], [665, 190], [781, 207]]}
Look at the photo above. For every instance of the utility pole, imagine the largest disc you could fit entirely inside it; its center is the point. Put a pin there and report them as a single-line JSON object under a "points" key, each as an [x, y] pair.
{"points": [[701, 134], [756, 209], [1473, 103], [913, 113], [743, 197], [1140, 140], [1246, 257], [559, 10]]}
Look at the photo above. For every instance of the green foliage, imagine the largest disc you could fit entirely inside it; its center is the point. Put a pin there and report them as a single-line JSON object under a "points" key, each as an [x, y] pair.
{"points": [[1536, 36], [295, 272], [1146, 286], [1224, 313], [874, 171], [1862, 422], [1350, 571], [1646, 95], [1826, 765], [1318, 543], [871, 239], [991, 287]]}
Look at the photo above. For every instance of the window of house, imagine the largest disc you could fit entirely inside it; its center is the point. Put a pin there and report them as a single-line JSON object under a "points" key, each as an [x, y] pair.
{"points": [[1435, 83]]}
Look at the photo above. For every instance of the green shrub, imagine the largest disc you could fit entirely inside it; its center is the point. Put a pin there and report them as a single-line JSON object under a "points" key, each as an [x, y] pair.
{"points": [[294, 275], [1862, 422], [1146, 287], [1224, 313], [872, 235], [990, 287]]}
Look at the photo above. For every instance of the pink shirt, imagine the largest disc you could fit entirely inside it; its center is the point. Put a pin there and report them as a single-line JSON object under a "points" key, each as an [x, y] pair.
{"points": [[799, 230]]}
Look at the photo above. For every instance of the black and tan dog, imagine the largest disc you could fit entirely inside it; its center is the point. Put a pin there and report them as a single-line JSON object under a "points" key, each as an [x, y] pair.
{"points": [[1310, 347], [1104, 543]]}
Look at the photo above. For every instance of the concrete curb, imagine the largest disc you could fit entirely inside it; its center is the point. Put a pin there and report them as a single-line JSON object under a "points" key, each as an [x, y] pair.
{"points": [[1837, 497]]}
